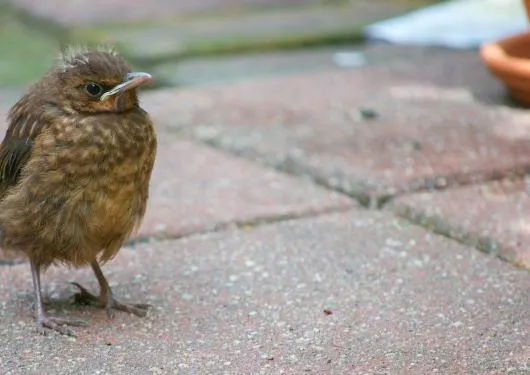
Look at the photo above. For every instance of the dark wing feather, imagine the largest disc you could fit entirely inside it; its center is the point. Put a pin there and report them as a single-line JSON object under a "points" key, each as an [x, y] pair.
{"points": [[13, 156], [15, 150]]}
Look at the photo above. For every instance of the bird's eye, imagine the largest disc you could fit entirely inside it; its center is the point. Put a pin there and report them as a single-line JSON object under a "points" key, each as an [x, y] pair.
{"points": [[93, 89]]}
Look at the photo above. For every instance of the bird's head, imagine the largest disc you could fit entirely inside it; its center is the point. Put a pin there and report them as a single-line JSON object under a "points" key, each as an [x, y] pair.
{"points": [[96, 81]]}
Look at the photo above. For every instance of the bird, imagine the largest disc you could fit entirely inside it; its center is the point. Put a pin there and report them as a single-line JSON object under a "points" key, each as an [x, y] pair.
{"points": [[75, 169]]}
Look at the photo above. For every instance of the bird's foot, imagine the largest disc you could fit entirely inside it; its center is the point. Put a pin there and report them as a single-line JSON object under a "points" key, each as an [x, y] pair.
{"points": [[110, 303], [45, 322]]}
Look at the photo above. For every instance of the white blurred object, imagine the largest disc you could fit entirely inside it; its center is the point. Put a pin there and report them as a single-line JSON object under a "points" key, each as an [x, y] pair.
{"points": [[463, 24]]}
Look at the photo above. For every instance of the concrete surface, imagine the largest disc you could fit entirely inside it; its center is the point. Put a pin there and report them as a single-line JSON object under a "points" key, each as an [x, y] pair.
{"points": [[352, 293]]}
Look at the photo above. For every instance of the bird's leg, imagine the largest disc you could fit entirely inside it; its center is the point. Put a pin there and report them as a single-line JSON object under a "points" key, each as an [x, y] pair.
{"points": [[42, 318], [106, 298]]}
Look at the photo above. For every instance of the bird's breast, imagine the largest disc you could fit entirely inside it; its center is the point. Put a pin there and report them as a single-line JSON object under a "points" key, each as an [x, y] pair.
{"points": [[96, 144], [99, 171]]}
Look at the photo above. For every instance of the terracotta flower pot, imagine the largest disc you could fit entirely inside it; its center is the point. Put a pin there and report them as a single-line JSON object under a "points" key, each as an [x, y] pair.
{"points": [[509, 60]]}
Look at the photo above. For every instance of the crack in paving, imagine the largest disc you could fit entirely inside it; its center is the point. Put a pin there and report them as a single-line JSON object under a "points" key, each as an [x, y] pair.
{"points": [[217, 228], [378, 201], [242, 224], [438, 225], [360, 190], [292, 168]]}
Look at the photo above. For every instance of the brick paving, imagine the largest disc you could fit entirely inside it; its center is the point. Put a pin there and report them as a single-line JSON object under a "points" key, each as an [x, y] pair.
{"points": [[493, 217], [440, 122], [435, 123], [195, 188], [352, 293]]}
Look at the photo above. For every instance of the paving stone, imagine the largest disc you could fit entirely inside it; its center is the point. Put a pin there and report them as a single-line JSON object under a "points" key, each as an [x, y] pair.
{"points": [[195, 188], [352, 293], [432, 121], [493, 217]]}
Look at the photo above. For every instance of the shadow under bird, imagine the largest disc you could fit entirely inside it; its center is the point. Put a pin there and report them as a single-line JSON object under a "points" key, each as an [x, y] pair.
{"points": [[75, 166]]}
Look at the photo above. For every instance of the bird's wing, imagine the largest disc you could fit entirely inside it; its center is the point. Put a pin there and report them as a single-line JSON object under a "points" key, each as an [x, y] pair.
{"points": [[15, 149]]}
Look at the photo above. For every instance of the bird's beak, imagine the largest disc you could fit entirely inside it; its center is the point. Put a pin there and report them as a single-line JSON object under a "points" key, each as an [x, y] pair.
{"points": [[132, 81]]}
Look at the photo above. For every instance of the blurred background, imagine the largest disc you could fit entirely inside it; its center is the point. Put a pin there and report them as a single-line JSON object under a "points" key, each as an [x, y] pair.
{"points": [[191, 42]]}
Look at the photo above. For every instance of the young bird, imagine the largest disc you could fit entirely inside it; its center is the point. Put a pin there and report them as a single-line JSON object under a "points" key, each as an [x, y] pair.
{"points": [[75, 166]]}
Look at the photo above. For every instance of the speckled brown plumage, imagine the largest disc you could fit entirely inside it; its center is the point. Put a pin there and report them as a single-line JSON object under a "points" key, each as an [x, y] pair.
{"points": [[75, 166]]}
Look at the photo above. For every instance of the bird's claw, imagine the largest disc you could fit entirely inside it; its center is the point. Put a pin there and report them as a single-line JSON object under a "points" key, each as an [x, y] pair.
{"points": [[84, 296], [111, 304], [58, 325], [138, 309]]}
